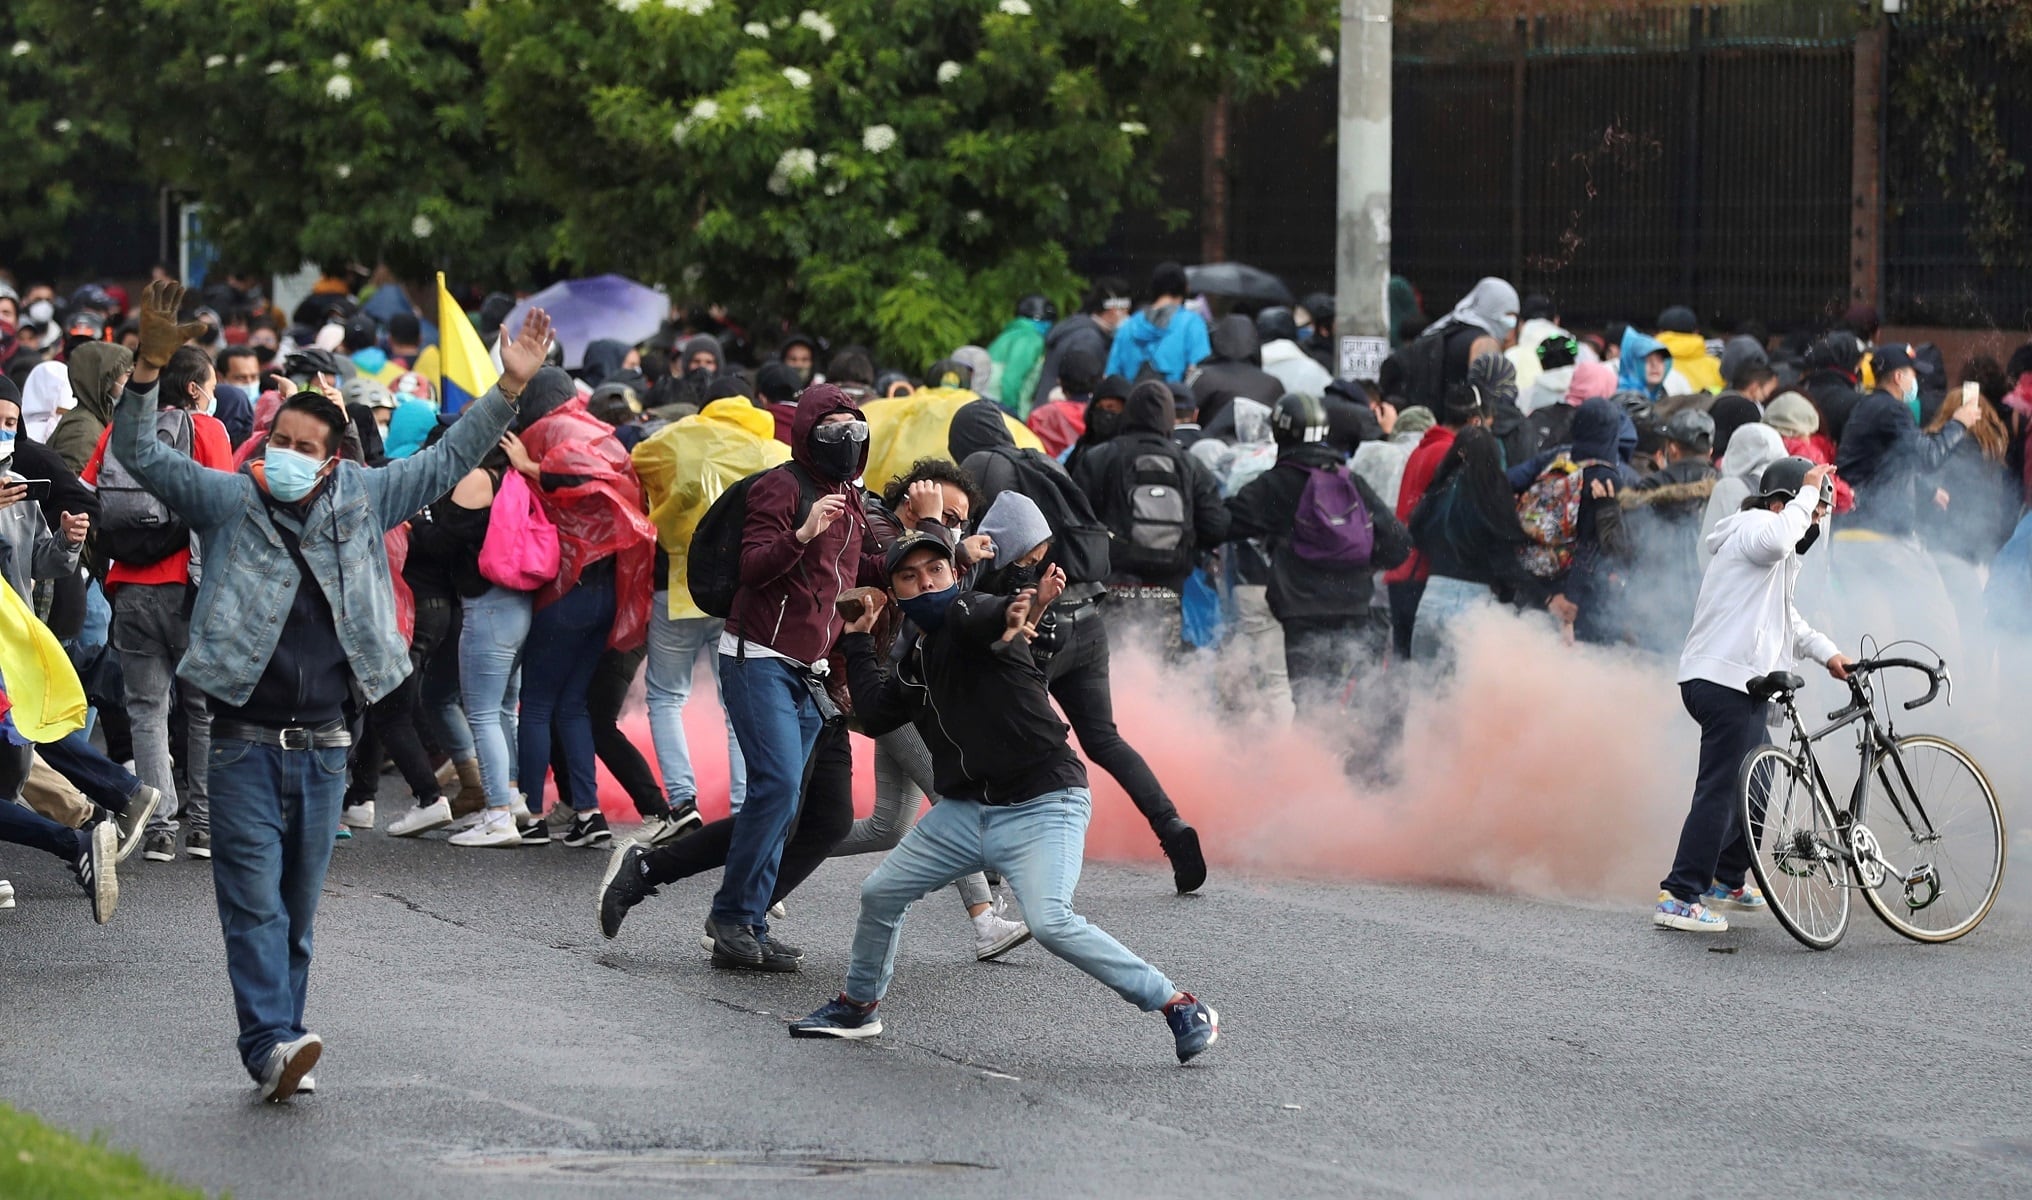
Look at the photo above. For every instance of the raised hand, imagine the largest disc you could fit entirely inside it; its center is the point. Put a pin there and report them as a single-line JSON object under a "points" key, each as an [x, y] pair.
{"points": [[522, 357], [1017, 618], [824, 511], [161, 335]]}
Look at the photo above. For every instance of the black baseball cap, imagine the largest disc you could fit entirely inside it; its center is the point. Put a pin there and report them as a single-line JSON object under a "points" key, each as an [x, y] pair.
{"points": [[901, 549], [1889, 358]]}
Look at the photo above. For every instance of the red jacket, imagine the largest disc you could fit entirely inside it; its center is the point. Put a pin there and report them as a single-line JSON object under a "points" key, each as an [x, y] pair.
{"points": [[785, 600], [1418, 472]]}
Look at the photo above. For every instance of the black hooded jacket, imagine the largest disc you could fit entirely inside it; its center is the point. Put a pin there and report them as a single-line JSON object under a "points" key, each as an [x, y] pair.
{"points": [[978, 439], [1267, 508], [602, 359], [1147, 421], [1079, 331], [1235, 368]]}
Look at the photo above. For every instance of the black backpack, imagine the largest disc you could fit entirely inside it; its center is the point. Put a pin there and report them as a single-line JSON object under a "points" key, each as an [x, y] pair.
{"points": [[1079, 542], [713, 561], [134, 526], [1151, 512], [1424, 363]]}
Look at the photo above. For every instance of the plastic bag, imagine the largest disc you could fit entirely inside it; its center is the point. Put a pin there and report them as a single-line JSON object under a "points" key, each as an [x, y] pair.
{"points": [[685, 466], [907, 428]]}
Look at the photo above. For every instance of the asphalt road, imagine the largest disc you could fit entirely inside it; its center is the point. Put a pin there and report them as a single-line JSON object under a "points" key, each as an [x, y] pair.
{"points": [[483, 1040]]}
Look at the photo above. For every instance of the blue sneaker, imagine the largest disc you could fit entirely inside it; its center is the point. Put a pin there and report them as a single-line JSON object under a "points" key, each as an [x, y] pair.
{"points": [[1744, 899], [1674, 913], [840, 1018], [1193, 1025]]}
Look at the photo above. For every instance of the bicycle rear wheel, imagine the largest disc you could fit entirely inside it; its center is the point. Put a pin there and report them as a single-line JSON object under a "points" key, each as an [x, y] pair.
{"points": [[1936, 822], [1795, 849]]}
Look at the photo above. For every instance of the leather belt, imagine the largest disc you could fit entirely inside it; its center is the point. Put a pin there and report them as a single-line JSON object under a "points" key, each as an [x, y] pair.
{"points": [[330, 736], [1142, 591]]}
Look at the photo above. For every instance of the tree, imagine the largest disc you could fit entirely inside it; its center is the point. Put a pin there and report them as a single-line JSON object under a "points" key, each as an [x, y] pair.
{"points": [[58, 149], [889, 170]]}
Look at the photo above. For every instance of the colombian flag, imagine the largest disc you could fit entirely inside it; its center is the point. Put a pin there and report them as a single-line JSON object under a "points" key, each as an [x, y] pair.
{"points": [[464, 371]]}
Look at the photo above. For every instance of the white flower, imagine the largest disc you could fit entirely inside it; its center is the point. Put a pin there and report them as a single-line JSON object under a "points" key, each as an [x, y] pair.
{"points": [[780, 23], [705, 110], [339, 87], [948, 71], [378, 48], [975, 216], [695, 8], [1135, 128], [21, 48], [835, 188], [1015, 8], [796, 166], [342, 61], [63, 125], [680, 131], [1128, 3], [798, 77], [894, 228], [1326, 56], [343, 170], [239, 60], [877, 138], [753, 112], [1196, 50], [420, 226], [276, 68], [817, 23], [627, 6], [755, 29], [215, 62]]}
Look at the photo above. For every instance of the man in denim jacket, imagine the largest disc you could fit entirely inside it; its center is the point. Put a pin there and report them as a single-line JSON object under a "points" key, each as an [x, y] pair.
{"points": [[283, 663]]}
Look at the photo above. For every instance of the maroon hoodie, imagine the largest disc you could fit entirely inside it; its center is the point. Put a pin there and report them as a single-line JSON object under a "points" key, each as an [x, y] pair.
{"points": [[785, 600]]}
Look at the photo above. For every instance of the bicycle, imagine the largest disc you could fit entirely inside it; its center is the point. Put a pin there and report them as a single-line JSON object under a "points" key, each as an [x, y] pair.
{"points": [[1808, 855]]}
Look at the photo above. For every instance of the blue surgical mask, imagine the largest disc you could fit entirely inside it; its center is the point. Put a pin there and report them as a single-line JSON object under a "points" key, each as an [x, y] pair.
{"points": [[6, 445], [926, 610], [291, 476], [1911, 399]]}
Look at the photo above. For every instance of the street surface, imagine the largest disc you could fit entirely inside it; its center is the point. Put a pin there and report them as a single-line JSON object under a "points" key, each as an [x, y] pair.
{"points": [[484, 1041]]}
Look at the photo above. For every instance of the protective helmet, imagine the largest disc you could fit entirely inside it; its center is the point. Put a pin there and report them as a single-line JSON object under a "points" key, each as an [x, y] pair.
{"points": [[1273, 324], [1298, 419], [1782, 480], [1037, 308]]}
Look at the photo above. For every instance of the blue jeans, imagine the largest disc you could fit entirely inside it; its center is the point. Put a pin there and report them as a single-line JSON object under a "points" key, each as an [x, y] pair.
{"points": [[565, 643], [273, 812], [103, 781], [675, 647], [1445, 601], [777, 721], [490, 653], [1038, 847]]}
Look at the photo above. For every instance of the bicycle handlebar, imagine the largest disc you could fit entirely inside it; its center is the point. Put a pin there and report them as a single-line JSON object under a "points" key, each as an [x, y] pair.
{"points": [[1935, 677]]}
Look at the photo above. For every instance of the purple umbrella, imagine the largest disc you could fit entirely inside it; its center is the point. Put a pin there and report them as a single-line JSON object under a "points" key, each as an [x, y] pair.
{"points": [[583, 311]]}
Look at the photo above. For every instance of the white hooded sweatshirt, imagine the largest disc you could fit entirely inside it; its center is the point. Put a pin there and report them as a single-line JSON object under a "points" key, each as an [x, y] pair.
{"points": [[1745, 624]]}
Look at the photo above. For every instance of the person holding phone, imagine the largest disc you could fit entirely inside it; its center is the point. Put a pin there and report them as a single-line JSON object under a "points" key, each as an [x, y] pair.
{"points": [[28, 549]]}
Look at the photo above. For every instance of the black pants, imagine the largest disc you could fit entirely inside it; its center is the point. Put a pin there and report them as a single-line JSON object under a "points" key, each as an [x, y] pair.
{"points": [[390, 727], [1404, 598], [824, 815], [612, 678], [1321, 655], [1713, 846], [1078, 678]]}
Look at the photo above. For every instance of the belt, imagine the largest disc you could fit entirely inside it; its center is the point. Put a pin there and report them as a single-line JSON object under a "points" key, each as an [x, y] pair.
{"points": [[329, 736], [1142, 591]]}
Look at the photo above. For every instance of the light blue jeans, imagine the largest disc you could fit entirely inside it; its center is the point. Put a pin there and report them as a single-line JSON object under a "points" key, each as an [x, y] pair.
{"points": [[490, 655], [675, 646], [1445, 601], [1038, 847]]}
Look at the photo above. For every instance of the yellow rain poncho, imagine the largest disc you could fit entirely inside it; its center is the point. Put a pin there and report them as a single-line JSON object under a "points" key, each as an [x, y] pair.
{"points": [[907, 428], [47, 700], [685, 467]]}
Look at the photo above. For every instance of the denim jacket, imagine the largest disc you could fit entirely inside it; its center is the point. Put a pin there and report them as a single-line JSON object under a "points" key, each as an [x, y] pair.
{"points": [[250, 578]]}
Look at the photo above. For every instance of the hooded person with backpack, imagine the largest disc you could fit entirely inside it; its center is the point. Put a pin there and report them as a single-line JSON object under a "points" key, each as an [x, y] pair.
{"points": [[1073, 639], [1567, 503], [1327, 532]]}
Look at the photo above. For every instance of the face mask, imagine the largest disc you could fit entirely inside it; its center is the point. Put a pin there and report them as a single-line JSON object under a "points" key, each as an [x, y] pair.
{"points": [[836, 448], [42, 312], [1508, 321], [1103, 424], [291, 476], [1806, 541], [926, 610], [1912, 399], [1016, 578], [6, 445]]}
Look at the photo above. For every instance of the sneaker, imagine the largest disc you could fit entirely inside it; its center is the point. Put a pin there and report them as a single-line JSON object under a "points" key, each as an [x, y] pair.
{"points": [[589, 829], [198, 843], [1674, 913], [496, 828], [778, 913], [287, 1065], [306, 1086], [344, 834], [840, 1018], [562, 816], [746, 948], [159, 846], [6, 894], [358, 816], [535, 833], [623, 886], [98, 850], [140, 806], [1188, 865], [422, 819], [1194, 1026], [1743, 899], [994, 936], [776, 945], [682, 820]]}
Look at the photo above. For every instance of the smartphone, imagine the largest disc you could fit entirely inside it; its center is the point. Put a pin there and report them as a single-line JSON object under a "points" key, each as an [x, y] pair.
{"points": [[38, 489], [1971, 392]]}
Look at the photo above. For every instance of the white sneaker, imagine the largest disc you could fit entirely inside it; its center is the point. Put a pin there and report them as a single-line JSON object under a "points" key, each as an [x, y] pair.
{"points": [[778, 913], [358, 816], [422, 819], [994, 936], [306, 1086], [496, 828], [6, 894], [287, 1065], [466, 822], [652, 829]]}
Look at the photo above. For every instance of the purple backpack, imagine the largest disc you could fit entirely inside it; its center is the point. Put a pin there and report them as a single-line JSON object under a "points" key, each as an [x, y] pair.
{"points": [[1333, 528]]}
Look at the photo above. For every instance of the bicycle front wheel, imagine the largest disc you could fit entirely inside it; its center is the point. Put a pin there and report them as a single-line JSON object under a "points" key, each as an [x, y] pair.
{"points": [[1795, 849], [1940, 837]]}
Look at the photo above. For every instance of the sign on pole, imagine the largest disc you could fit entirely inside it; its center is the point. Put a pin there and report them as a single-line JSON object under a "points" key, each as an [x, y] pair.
{"points": [[1362, 357]]}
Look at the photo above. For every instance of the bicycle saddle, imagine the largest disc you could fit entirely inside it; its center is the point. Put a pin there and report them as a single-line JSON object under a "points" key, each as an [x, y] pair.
{"points": [[1777, 683]]}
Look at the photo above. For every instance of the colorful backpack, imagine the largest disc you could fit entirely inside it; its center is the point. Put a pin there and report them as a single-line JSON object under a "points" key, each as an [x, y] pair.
{"points": [[1549, 510]]}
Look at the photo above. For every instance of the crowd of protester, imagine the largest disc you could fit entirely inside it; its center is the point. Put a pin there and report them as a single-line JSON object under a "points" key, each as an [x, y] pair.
{"points": [[279, 567]]}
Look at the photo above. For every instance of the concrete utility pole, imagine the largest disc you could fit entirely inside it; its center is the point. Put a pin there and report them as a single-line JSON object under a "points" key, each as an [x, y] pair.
{"points": [[1362, 236]]}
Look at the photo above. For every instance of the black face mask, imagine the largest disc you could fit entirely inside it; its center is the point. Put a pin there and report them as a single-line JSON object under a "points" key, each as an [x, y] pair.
{"points": [[1807, 540], [835, 461], [1103, 424], [1007, 581]]}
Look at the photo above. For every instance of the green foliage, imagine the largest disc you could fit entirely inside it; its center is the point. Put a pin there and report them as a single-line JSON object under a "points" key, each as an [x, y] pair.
{"points": [[40, 1163], [54, 148]]}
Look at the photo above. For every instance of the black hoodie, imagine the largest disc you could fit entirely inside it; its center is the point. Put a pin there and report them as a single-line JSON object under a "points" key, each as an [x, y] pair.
{"points": [[1267, 508], [1079, 331], [979, 441], [1235, 368], [1147, 421]]}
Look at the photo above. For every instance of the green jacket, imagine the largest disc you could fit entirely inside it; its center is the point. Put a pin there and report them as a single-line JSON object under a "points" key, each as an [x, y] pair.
{"points": [[1018, 355]]}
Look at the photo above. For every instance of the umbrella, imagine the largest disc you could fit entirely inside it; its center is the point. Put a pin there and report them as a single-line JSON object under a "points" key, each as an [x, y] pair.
{"points": [[1238, 281], [583, 311]]}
